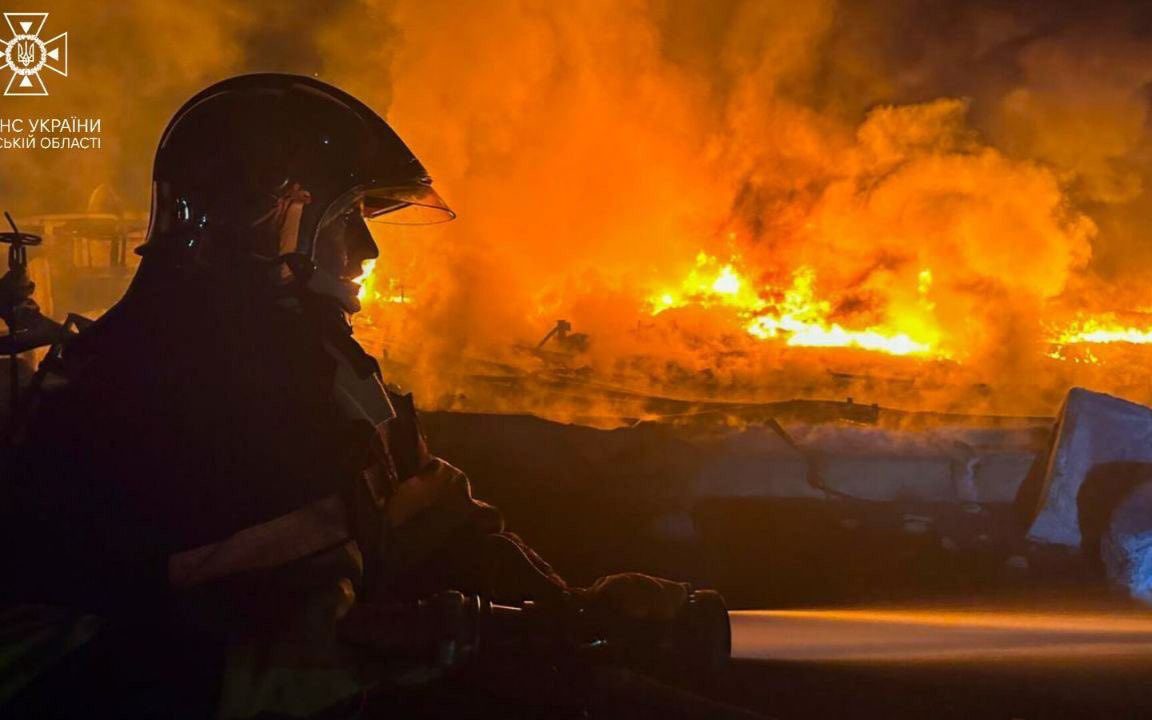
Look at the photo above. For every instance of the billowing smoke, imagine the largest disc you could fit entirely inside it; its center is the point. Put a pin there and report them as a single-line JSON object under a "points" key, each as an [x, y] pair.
{"points": [[965, 175], [594, 151]]}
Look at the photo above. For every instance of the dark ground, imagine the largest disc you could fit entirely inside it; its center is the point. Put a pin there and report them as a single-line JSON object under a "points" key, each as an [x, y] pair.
{"points": [[1117, 688], [594, 505], [594, 508]]}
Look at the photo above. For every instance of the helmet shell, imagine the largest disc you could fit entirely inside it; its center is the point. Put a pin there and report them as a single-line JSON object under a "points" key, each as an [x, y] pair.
{"points": [[241, 148]]}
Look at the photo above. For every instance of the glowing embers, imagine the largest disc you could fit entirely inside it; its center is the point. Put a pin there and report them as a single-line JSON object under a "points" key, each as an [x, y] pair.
{"points": [[794, 315]]}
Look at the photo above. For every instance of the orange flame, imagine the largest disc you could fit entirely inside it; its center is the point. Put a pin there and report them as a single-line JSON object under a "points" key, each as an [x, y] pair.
{"points": [[1075, 341], [367, 282], [1102, 329], [369, 294], [800, 319]]}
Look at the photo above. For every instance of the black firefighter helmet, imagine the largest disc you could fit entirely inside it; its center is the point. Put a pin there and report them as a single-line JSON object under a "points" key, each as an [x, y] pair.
{"points": [[261, 167]]}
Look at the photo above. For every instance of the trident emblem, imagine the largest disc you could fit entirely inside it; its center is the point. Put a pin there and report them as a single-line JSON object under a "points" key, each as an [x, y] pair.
{"points": [[26, 55]]}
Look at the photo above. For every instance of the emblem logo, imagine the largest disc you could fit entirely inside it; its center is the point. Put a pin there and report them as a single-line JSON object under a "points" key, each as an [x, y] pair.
{"points": [[26, 55]]}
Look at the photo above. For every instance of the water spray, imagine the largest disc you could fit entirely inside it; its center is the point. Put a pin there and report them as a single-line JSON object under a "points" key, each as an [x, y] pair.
{"points": [[936, 635]]}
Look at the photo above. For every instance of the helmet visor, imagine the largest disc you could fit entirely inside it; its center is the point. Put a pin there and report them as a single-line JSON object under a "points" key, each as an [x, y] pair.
{"points": [[413, 204], [337, 242]]}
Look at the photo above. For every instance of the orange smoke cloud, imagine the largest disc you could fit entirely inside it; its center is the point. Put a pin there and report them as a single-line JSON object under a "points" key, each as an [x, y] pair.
{"points": [[592, 165], [932, 194]]}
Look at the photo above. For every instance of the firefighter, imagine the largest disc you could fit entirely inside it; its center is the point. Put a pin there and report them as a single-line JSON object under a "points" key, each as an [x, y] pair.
{"points": [[229, 475]]}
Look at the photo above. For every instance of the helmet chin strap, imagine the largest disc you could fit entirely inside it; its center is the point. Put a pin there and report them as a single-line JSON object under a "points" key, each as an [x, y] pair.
{"points": [[287, 215]]}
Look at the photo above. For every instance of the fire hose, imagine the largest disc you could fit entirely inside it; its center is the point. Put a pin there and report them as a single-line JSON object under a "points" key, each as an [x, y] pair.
{"points": [[452, 630]]}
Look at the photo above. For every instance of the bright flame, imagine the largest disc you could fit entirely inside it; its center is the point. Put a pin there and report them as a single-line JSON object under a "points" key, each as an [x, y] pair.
{"points": [[367, 282], [709, 285], [1074, 342], [800, 318], [370, 294], [728, 283], [1101, 330]]}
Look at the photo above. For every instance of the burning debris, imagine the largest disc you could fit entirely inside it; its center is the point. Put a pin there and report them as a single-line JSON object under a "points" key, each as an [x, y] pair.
{"points": [[562, 336], [794, 315]]}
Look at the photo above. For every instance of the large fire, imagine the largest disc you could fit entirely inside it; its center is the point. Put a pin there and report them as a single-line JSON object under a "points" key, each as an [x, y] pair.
{"points": [[794, 314], [1084, 339], [1104, 329], [799, 318], [943, 205], [763, 200]]}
